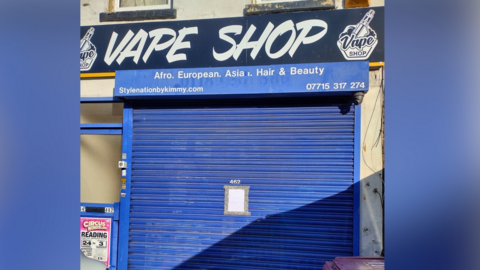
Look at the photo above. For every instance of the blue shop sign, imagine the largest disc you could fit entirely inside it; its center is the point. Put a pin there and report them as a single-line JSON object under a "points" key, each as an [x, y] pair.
{"points": [[288, 78]]}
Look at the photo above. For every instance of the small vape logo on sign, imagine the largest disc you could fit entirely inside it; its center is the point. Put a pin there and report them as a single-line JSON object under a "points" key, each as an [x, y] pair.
{"points": [[88, 52], [358, 41]]}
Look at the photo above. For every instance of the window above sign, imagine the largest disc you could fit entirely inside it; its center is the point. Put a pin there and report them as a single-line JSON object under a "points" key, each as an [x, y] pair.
{"points": [[347, 3], [260, 7], [276, 1], [138, 10], [128, 5]]}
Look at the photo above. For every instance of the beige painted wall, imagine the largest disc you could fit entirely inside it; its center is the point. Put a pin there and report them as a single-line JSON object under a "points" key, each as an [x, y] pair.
{"points": [[97, 87], [90, 11], [99, 172], [99, 155], [101, 113], [371, 223], [377, 3]]}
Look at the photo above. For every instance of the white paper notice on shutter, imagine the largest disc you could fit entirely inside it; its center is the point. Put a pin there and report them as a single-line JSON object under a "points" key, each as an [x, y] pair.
{"points": [[236, 200]]}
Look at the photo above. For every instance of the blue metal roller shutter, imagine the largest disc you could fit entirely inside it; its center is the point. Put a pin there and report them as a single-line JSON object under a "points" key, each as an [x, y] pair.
{"points": [[297, 160]]}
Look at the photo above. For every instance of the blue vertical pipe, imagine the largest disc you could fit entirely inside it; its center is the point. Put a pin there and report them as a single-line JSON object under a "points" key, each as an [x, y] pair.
{"points": [[114, 242], [125, 201], [114, 246], [356, 180]]}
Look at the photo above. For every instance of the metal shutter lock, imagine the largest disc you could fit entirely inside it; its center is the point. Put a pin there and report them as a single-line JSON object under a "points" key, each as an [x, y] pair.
{"points": [[122, 164]]}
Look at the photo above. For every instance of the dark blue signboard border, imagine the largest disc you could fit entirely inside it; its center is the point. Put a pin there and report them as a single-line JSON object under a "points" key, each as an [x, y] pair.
{"points": [[202, 37]]}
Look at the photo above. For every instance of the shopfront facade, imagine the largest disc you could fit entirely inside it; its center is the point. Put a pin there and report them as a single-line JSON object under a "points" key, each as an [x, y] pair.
{"points": [[235, 142]]}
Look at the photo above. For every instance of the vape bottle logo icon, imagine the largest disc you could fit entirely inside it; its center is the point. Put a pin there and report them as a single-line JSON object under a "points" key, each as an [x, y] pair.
{"points": [[357, 42], [88, 51]]}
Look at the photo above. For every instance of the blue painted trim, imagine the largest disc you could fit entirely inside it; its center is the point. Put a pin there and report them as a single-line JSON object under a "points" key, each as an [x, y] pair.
{"points": [[125, 201], [97, 204], [100, 215], [116, 209], [101, 131], [114, 246], [102, 125], [97, 215], [241, 96], [356, 180], [99, 99]]}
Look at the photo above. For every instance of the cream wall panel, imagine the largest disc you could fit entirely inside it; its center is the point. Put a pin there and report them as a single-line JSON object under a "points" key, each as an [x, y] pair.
{"points": [[99, 172], [371, 160], [101, 113], [101, 87]]}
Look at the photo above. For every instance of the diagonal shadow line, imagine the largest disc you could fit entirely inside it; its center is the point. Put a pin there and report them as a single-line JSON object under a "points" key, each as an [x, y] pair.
{"points": [[284, 241], [302, 238]]}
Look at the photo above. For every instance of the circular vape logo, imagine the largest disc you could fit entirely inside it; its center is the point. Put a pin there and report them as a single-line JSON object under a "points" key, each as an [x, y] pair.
{"points": [[357, 42], [88, 51]]}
